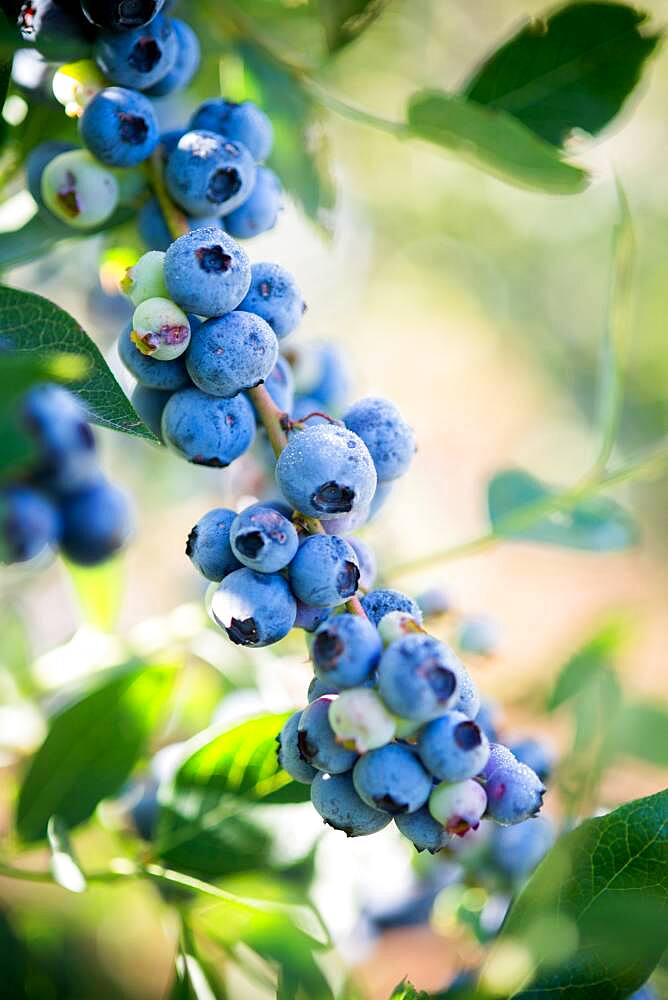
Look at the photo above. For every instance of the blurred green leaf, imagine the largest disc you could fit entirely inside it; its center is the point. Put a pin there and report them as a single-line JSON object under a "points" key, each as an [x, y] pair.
{"points": [[406, 991], [596, 654], [595, 524], [190, 980], [200, 828], [15, 650], [64, 865], [344, 20], [572, 69], [35, 326], [642, 732], [13, 961], [91, 747], [43, 232], [99, 591], [492, 140], [604, 889]]}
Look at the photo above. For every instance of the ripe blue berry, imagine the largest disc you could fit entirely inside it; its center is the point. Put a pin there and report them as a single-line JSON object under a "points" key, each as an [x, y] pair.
{"points": [[331, 384], [317, 740], [468, 697], [274, 295], [207, 272], [150, 405], [207, 430], [97, 522], [163, 375], [160, 329], [514, 793], [119, 127], [78, 190], [479, 634], [418, 677], [255, 609], [422, 829], [346, 650], [326, 470], [29, 524], [392, 779], [263, 539], [459, 807], [360, 719], [243, 122], [208, 546], [386, 434], [309, 618], [231, 353], [260, 211], [186, 64], [516, 850], [119, 15], [499, 756], [344, 524], [324, 572], [57, 422], [318, 688], [435, 601], [535, 755], [140, 57], [368, 565], [453, 747], [38, 159], [289, 757], [487, 717], [209, 175], [279, 384], [378, 603], [335, 798]]}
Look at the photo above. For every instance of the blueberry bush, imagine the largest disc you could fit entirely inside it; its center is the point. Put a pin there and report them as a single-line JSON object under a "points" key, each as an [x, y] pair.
{"points": [[175, 728]]}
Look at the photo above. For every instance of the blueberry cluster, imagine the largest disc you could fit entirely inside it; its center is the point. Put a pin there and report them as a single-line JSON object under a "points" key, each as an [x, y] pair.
{"points": [[213, 169], [64, 499]]}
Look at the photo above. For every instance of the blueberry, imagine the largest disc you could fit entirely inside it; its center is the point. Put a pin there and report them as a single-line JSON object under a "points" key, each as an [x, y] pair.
{"points": [[188, 55], [317, 740], [309, 618], [255, 609], [260, 211], [378, 603], [422, 829], [458, 807], [335, 799], [360, 720], [140, 57], [274, 295], [243, 122], [325, 471], [453, 747], [487, 718], [318, 688], [386, 434], [289, 757], [119, 127], [380, 498], [121, 15], [645, 992], [153, 228], [324, 572], [78, 190], [344, 524], [29, 524], [208, 545], [392, 778], [434, 601], [468, 697], [279, 384], [160, 329], [418, 677], [499, 756], [97, 522], [163, 375], [150, 405], [231, 353], [57, 422], [514, 793], [207, 272], [38, 158], [329, 381], [516, 850], [57, 30], [206, 430], [535, 755], [366, 558], [263, 539], [146, 279], [346, 650], [479, 634], [209, 175]]}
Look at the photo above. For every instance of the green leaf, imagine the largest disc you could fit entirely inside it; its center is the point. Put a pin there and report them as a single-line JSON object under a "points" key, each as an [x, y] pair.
{"points": [[344, 20], [34, 326], [642, 732], [190, 980], [14, 960], [200, 828], [492, 140], [406, 991], [573, 69], [516, 500], [91, 748], [592, 918], [42, 232], [596, 654], [64, 865], [99, 590]]}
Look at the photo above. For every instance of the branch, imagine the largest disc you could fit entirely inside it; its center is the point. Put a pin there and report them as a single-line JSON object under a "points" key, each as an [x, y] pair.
{"points": [[176, 222]]}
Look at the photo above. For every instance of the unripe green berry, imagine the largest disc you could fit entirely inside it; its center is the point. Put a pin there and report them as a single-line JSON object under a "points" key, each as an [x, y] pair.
{"points": [[395, 625], [146, 279], [406, 729], [160, 329], [79, 190], [360, 720], [459, 806]]}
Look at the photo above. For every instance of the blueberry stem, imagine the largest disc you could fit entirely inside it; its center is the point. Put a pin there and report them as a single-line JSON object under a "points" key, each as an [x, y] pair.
{"points": [[176, 221]]}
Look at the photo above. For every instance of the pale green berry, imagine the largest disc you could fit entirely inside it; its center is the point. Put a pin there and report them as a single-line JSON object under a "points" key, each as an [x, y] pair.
{"points": [[360, 720], [458, 806], [79, 190], [406, 729], [146, 279], [160, 329], [395, 625]]}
